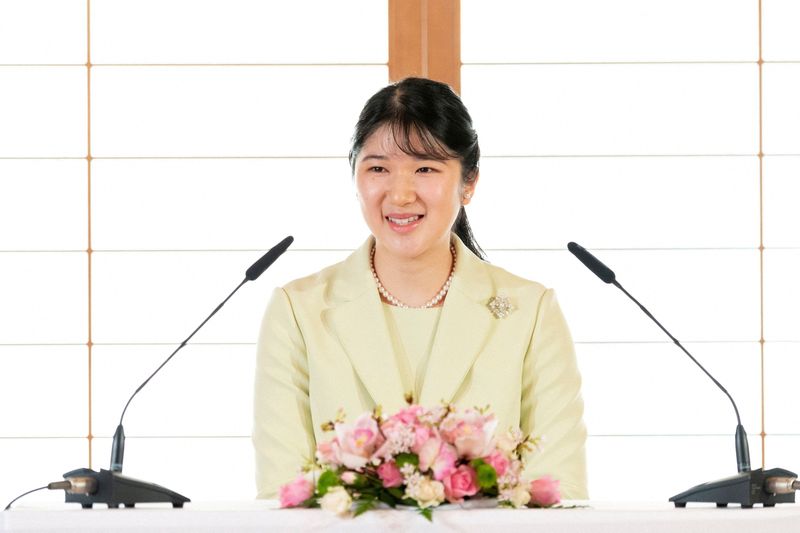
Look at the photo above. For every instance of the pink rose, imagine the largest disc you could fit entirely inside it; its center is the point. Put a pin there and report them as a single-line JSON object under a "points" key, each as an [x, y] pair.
{"points": [[390, 475], [462, 482], [294, 493], [358, 441], [498, 461], [439, 457], [545, 492]]}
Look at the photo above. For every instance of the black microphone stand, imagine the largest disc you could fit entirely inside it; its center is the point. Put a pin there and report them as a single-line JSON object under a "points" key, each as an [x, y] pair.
{"points": [[748, 487], [110, 486]]}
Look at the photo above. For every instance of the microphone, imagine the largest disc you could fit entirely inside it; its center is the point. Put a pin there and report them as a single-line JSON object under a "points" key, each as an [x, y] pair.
{"points": [[110, 486], [257, 268], [750, 486]]}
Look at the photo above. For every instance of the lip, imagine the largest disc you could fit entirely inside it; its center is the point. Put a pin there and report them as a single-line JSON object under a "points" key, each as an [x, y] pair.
{"points": [[403, 228]]}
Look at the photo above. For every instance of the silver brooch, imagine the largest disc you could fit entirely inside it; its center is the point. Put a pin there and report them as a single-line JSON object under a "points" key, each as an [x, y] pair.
{"points": [[500, 306]]}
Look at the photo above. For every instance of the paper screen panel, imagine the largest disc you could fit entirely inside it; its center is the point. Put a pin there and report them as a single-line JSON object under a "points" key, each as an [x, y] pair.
{"points": [[649, 109], [43, 204], [781, 192], [44, 391], [205, 390], [191, 204], [44, 112], [615, 30], [240, 31], [655, 389], [44, 297], [43, 32], [781, 294], [617, 202], [781, 368], [228, 111], [779, 23], [781, 109]]}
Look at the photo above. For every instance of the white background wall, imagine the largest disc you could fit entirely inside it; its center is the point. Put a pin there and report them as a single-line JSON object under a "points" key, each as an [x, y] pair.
{"points": [[217, 128]]}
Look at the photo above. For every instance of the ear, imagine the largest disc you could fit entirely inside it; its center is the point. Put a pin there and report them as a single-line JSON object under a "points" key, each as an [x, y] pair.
{"points": [[469, 189]]}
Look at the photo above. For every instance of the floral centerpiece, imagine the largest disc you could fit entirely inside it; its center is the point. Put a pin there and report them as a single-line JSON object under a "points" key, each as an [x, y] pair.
{"points": [[418, 457]]}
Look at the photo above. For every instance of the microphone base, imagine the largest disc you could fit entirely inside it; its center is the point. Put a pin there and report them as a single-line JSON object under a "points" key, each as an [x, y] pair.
{"points": [[745, 488], [114, 489]]}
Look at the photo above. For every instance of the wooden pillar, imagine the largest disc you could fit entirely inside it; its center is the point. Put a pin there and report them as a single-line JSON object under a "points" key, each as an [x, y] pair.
{"points": [[425, 40]]}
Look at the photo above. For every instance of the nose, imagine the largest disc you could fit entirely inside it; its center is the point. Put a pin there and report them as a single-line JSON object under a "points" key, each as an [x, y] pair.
{"points": [[402, 189]]}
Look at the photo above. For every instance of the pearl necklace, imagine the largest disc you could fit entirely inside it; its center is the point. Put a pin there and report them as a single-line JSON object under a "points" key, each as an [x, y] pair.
{"points": [[397, 303]]}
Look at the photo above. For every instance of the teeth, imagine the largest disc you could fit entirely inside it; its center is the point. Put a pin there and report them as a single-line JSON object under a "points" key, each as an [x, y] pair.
{"points": [[403, 221]]}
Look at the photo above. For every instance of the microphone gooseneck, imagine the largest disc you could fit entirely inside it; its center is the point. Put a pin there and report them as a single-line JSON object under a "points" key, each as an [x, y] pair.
{"points": [[608, 276], [252, 273]]}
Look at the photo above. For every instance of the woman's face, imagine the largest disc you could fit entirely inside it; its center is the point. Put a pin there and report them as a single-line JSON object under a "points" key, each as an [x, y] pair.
{"points": [[409, 203]]}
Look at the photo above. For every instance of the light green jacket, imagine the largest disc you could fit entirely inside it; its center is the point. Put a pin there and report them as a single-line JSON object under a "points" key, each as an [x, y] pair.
{"points": [[324, 346]]}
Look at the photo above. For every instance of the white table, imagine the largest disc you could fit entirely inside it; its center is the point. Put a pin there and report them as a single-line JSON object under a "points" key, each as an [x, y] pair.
{"points": [[264, 516]]}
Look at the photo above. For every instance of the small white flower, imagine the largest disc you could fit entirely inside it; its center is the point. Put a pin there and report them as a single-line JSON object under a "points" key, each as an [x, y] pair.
{"points": [[336, 500], [407, 470]]}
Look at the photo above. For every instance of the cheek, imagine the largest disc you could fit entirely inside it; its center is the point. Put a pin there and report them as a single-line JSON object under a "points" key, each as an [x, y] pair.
{"points": [[368, 197]]}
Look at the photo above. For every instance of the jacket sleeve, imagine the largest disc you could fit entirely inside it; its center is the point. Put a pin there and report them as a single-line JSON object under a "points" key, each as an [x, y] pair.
{"points": [[552, 407], [283, 437]]}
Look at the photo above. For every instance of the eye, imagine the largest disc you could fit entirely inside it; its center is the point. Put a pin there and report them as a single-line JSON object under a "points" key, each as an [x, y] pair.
{"points": [[376, 169], [426, 170]]}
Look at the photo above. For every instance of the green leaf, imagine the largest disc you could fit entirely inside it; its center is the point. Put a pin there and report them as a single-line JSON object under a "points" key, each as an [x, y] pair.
{"points": [[388, 499], [328, 479], [311, 502], [362, 506], [360, 482], [397, 492], [427, 513], [406, 458]]}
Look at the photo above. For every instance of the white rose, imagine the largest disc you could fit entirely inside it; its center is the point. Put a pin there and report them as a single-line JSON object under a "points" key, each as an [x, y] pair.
{"points": [[336, 500], [429, 493], [520, 496]]}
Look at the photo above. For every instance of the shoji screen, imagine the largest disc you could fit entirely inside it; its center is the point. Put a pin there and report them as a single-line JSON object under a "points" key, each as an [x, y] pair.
{"points": [[133, 195], [635, 128]]}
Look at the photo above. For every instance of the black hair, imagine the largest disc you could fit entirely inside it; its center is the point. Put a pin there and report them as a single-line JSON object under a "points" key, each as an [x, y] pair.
{"points": [[427, 119]]}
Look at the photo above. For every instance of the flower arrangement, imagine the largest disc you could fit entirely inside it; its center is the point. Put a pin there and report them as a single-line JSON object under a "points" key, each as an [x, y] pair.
{"points": [[421, 458]]}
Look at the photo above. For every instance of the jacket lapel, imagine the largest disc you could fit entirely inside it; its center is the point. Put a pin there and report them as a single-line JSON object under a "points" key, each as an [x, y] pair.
{"points": [[464, 327], [360, 326]]}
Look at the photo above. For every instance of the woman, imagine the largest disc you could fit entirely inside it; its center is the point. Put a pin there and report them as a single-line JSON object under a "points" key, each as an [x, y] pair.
{"points": [[415, 309]]}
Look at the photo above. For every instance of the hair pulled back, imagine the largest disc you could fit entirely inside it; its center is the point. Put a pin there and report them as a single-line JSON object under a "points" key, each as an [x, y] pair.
{"points": [[427, 120]]}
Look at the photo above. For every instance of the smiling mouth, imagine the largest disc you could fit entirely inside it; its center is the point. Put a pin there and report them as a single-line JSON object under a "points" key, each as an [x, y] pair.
{"points": [[404, 221]]}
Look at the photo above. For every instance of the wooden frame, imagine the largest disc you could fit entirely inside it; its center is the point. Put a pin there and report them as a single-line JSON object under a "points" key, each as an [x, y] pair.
{"points": [[425, 40]]}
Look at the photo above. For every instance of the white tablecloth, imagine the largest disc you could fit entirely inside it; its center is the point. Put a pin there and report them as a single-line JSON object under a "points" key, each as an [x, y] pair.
{"points": [[263, 516]]}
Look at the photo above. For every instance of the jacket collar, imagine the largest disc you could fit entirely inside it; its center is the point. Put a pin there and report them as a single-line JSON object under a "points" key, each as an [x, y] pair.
{"points": [[358, 320]]}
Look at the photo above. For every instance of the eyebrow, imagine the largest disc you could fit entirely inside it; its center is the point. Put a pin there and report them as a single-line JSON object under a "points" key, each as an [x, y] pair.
{"points": [[375, 156], [385, 158]]}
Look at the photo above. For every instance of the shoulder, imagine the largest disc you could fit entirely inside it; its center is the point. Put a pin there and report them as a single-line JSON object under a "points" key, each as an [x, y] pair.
{"points": [[341, 281]]}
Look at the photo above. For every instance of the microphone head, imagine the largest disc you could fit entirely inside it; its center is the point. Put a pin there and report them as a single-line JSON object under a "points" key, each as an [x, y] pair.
{"points": [[258, 268], [592, 263]]}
